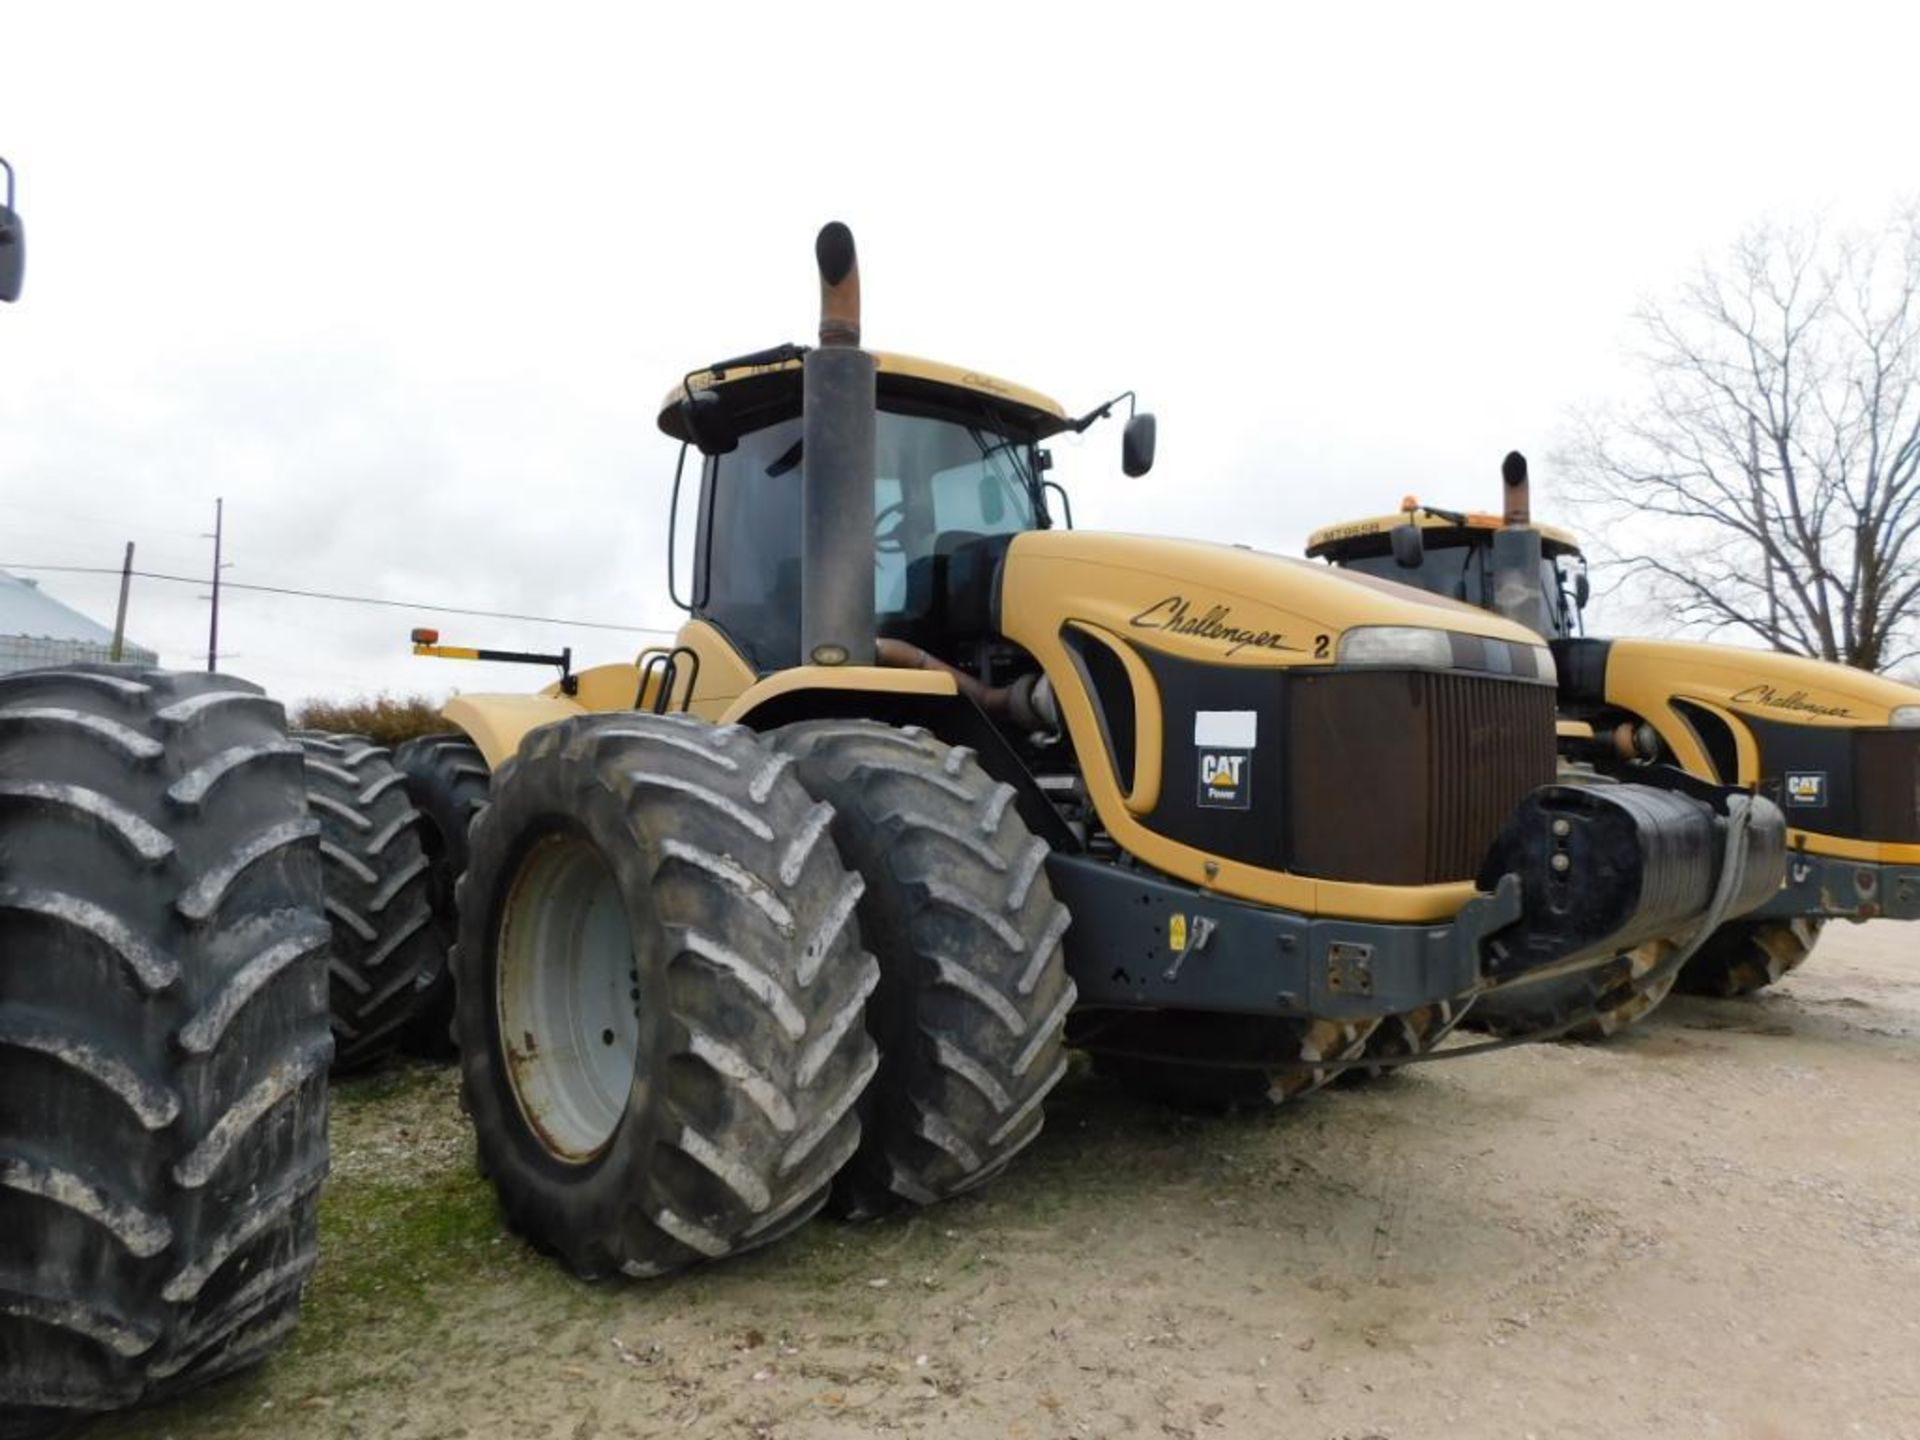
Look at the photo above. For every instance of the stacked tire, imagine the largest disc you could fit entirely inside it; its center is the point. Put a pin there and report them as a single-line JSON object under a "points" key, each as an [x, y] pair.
{"points": [[163, 1036]]}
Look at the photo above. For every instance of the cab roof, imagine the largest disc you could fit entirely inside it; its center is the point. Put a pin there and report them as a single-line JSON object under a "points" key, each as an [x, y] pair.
{"points": [[1366, 537], [755, 395]]}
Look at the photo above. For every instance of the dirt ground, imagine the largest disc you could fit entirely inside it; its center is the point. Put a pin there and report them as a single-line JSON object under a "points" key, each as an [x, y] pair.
{"points": [[1707, 1227]]}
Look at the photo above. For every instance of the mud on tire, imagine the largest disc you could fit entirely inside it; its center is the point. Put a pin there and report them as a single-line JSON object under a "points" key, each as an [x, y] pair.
{"points": [[163, 1036], [385, 950], [1603, 1001], [1414, 1032], [659, 994], [448, 781], [974, 994], [1748, 955]]}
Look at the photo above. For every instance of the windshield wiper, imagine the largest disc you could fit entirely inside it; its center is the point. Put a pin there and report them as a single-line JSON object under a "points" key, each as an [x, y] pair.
{"points": [[788, 461]]}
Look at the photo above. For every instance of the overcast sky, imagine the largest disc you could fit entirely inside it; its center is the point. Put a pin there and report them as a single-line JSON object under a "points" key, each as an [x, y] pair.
{"points": [[405, 283]]}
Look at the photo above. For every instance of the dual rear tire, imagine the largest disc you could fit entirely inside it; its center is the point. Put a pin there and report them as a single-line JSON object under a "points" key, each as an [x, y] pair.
{"points": [[669, 1026]]}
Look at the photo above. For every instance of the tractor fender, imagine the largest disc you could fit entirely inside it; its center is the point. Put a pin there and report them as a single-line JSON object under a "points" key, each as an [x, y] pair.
{"points": [[497, 723], [924, 698]]}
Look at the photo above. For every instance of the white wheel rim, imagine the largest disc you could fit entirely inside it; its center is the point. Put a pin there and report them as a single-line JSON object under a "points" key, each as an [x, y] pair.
{"points": [[565, 984]]}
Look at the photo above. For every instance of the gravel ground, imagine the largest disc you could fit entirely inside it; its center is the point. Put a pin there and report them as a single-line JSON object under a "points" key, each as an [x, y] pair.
{"points": [[1705, 1227]]}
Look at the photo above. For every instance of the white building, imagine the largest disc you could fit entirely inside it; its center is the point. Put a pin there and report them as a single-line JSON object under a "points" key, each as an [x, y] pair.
{"points": [[37, 630]]}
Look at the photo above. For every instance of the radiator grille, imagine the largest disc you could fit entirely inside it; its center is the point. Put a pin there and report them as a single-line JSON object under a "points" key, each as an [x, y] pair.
{"points": [[1405, 778], [1887, 775]]}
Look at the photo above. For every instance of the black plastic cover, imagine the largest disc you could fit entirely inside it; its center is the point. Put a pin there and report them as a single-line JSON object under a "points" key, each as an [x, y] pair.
{"points": [[1605, 867]]}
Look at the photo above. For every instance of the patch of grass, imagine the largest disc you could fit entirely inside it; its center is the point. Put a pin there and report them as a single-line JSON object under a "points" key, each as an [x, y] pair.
{"points": [[409, 1234]]}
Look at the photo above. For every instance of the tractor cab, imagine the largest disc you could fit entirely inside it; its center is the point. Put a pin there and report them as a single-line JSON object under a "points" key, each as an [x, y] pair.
{"points": [[960, 469], [1450, 553]]}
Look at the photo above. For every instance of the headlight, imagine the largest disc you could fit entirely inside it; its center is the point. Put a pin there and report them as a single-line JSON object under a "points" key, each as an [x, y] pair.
{"points": [[1905, 717], [1397, 645], [1421, 648]]}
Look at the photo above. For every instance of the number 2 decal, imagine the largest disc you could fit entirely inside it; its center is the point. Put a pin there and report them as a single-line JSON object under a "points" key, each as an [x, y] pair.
{"points": [[1320, 646]]}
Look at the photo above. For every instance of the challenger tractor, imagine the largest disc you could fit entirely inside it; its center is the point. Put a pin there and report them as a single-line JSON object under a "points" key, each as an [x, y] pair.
{"points": [[807, 906], [1837, 749]]}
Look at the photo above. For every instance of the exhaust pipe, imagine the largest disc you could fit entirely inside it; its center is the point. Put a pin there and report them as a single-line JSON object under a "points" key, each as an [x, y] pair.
{"points": [[839, 398], [1517, 592]]}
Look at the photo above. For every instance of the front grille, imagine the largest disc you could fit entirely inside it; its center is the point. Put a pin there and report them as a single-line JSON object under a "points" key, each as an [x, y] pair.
{"points": [[1405, 777], [1886, 769]]}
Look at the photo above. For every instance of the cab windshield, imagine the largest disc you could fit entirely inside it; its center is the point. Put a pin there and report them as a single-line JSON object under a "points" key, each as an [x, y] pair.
{"points": [[937, 484], [1464, 571]]}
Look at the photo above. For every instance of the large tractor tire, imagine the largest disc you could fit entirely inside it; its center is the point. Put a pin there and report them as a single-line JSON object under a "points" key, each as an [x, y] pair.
{"points": [[659, 995], [385, 950], [1749, 955], [163, 1036], [1214, 1062], [448, 781], [1600, 1003], [973, 994]]}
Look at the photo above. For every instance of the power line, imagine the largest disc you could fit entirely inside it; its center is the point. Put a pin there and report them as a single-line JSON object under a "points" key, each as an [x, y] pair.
{"points": [[345, 599]]}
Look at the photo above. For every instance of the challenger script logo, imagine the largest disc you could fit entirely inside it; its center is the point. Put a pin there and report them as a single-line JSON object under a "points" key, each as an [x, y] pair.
{"points": [[1174, 615], [1795, 700]]}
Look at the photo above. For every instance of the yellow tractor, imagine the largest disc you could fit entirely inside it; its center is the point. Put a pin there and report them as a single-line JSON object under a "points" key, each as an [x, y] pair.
{"points": [[1837, 748], [812, 902]]}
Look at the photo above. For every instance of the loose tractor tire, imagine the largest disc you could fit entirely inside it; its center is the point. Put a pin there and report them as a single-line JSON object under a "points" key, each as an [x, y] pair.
{"points": [[163, 1036], [659, 993], [385, 949], [973, 998]]}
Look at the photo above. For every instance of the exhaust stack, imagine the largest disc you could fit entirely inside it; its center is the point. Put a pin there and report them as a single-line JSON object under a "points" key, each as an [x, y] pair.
{"points": [[1517, 592], [838, 403]]}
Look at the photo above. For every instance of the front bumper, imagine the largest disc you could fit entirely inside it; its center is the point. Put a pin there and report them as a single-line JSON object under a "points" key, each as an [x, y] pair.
{"points": [[1580, 875], [1825, 885], [1141, 941]]}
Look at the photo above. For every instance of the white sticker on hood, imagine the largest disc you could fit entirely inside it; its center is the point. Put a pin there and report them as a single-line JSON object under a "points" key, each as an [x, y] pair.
{"points": [[1226, 729]]}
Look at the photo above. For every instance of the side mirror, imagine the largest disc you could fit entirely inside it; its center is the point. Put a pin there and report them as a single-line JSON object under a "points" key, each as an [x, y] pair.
{"points": [[1409, 546], [1136, 445], [13, 244], [1582, 591], [700, 412]]}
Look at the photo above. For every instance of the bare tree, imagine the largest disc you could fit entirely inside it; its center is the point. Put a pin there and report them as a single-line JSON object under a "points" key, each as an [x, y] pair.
{"points": [[1778, 447]]}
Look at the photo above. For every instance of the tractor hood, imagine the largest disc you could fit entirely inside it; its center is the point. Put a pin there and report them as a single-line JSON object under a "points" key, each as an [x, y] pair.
{"points": [[1760, 683], [1229, 605]]}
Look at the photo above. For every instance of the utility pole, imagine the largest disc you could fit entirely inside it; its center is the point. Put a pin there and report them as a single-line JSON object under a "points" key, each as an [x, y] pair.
{"points": [[213, 626], [120, 615]]}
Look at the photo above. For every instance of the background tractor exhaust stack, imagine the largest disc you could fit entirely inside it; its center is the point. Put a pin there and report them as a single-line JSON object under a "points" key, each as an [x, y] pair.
{"points": [[837, 426], [1517, 591]]}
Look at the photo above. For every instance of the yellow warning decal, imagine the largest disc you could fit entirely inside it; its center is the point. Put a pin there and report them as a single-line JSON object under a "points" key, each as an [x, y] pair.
{"points": [[1177, 932]]}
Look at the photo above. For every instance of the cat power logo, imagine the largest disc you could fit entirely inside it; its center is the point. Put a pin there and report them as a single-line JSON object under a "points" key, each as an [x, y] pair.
{"points": [[1225, 779], [1224, 742], [1806, 787]]}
